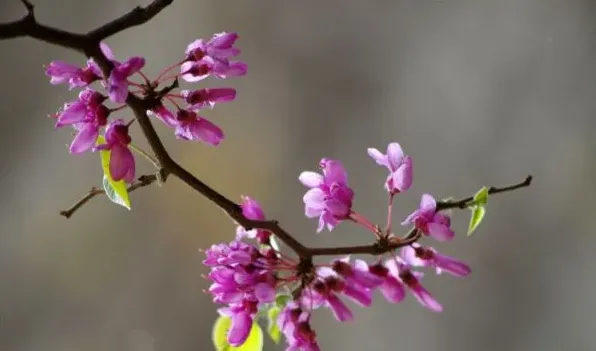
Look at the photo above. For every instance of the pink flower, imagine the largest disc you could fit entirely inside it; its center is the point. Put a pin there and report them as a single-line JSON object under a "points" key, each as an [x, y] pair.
{"points": [[243, 278], [329, 197], [399, 165], [418, 255], [429, 221], [220, 46], [194, 71], [190, 126], [122, 162], [391, 287], [62, 72], [402, 270], [197, 99], [164, 114], [118, 79], [252, 210], [86, 115], [294, 323]]}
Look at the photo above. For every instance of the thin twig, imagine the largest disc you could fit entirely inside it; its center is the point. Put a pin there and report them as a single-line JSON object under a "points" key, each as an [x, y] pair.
{"points": [[141, 182], [464, 203]]}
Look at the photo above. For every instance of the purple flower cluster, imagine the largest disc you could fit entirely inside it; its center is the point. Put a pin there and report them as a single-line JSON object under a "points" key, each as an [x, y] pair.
{"points": [[329, 199], [88, 115]]}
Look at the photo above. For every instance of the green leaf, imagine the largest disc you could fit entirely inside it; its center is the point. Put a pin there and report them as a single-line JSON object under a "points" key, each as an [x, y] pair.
{"points": [[272, 328], [477, 216], [219, 336], [117, 192], [481, 196]]}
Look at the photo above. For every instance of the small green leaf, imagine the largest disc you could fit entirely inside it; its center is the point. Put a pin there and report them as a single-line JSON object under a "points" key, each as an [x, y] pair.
{"points": [[272, 328], [117, 192], [219, 336], [481, 196], [477, 216]]}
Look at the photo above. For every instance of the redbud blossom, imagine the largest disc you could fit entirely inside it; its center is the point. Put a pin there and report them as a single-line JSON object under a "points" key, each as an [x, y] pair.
{"points": [[191, 126], [399, 165], [421, 256], [87, 115], [329, 197], [243, 278], [194, 71], [220, 47], [122, 162], [197, 99], [429, 221], [411, 279], [62, 72]]}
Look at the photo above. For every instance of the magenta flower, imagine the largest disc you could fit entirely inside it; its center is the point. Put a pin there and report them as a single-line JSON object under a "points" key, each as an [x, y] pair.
{"points": [[294, 323], [86, 115], [356, 274], [420, 256], [122, 162], [118, 79], [329, 197], [194, 71], [429, 221], [165, 115], [399, 165], [190, 126], [403, 271], [220, 46], [62, 72], [391, 287], [252, 210], [197, 99], [243, 278]]}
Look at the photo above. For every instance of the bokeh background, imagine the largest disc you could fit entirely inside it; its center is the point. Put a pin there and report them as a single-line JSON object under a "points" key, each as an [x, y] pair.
{"points": [[479, 92]]}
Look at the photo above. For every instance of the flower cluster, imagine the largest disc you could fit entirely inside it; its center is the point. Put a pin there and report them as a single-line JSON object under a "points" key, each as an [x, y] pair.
{"points": [[88, 114], [247, 277]]}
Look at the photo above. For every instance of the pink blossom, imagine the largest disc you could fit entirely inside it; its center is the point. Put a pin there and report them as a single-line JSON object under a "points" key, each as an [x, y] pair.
{"points": [[63, 72], [122, 162], [191, 126], [220, 46], [329, 197], [399, 165], [194, 71], [294, 323], [403, 271], [197, 99], [418, 255], [87, 115], [429, 221]]}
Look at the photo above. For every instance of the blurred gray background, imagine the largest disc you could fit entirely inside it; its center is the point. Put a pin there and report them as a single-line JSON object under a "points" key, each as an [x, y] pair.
{"points": [[479, 92]]}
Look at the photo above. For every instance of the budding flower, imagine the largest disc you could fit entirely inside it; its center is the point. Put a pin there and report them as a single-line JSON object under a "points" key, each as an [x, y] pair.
{"points": [[197, 99], [330, 197], [220, 47], [252, 210], [429, 221], [399, 165], [194, 71]]}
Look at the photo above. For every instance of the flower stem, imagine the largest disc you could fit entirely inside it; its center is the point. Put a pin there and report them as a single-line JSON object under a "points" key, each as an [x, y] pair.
{"points": [[146, 155]]}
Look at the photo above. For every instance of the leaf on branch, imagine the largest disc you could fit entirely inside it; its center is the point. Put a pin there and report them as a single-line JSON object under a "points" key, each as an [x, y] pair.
{"points": [[272, 328], [116, 191], [219, 336], [477, 216], [481, 196]]}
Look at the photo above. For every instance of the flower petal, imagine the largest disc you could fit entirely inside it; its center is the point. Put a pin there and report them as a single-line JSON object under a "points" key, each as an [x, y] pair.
{"points": [[440, 232], [310, 179], [241, 326], [395, 155], [122, 163], [378, 157], [85, 139]]}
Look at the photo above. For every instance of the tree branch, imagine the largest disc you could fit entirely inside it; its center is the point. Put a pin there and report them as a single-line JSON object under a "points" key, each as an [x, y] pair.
{"points": [[464, 203], [88, 44], [141, 182]]}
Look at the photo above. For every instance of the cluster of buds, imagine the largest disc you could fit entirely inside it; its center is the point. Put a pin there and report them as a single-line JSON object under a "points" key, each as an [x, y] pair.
{"points": [[249, 277], [177, 110]]}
